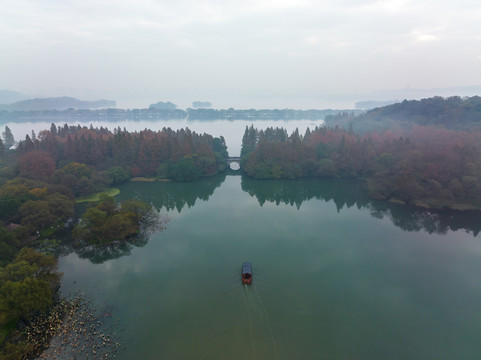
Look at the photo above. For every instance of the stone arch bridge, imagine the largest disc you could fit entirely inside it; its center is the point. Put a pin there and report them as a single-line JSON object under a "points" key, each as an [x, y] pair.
{"points": [[233, 159]]}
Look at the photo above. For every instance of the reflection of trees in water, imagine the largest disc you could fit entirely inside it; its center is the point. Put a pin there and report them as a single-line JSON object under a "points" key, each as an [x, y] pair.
{"points": [[348, 193], [173, 195], [100, 254], [294, 192], [162, 195]]}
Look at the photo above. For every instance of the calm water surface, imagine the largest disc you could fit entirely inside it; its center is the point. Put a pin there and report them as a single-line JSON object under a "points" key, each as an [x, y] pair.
{"points": [[335, 275]]}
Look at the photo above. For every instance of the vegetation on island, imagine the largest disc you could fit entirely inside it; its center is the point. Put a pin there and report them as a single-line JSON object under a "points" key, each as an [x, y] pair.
{"points": [[182, 155], [168, 111], [107, 222], [428, 166], [28, 288], [41, 181], [453, 113]]}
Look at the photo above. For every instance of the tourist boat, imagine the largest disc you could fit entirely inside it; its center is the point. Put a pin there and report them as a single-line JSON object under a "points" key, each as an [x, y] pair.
{"points": [[246, 273]]}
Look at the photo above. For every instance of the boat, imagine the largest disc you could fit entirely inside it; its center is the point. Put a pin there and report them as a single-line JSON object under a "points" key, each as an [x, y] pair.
{"points": [[246, 273]]}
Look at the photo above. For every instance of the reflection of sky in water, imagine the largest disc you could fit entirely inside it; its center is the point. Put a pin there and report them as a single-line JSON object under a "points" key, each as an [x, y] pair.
{"points": [[322, 276], [231, 130]]}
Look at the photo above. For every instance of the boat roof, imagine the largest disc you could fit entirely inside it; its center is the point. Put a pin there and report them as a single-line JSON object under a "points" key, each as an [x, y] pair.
{"points": [[246, 268]]}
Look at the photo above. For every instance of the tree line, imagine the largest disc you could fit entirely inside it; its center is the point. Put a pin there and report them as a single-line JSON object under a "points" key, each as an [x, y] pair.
{"points": [[182, 154], [426, 166], [40, 182]]}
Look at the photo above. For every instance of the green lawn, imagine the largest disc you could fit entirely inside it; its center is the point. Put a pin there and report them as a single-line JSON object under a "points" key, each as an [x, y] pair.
{"points": [[96, 196]]}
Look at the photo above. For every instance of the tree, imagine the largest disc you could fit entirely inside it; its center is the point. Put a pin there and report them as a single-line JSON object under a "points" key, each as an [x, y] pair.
{"points": [[36, 163], [118, 174], [25, 297], [46, 265], [8, 138], [27, 285], [36, 215], [61, 206], [183, 170], [106, 223]]}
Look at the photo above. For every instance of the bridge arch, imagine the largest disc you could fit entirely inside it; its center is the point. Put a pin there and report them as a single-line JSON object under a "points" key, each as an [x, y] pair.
{"points": [[233, 160]]}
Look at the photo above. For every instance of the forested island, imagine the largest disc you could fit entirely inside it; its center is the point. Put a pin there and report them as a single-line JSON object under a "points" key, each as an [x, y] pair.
{"points": [[430, 158]]}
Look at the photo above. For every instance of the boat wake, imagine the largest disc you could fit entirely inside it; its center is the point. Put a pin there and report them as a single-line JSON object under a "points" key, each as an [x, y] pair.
{"points": [[251, 328], [260, 325], [268, 322]]}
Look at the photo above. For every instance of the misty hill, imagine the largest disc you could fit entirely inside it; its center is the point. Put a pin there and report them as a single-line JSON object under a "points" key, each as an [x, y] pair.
{"points": [[57, 103], [163, 106], [451, 113], [371, 104], [409, 93], [9, 96], [201, 104]]}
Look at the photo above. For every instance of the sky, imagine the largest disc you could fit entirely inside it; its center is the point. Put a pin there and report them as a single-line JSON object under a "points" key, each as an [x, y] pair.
{"points": [[237, 53]]}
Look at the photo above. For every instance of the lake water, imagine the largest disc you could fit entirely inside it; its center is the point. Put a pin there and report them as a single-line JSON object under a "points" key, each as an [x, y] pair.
{"points": [[336, 276]]}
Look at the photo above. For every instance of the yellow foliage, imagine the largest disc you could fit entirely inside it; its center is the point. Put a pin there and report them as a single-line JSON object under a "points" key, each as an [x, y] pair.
{"points": [[38, 192]]}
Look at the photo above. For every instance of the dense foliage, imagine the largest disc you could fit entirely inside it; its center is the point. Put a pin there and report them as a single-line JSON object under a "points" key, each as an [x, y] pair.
{"points": [[182, 154], [39, 183], [426, 166], [450, 113], [28, 286], [107, 222]]}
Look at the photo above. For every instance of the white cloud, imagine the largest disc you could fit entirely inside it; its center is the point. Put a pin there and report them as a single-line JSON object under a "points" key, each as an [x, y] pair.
{"points": [[424, 37]]}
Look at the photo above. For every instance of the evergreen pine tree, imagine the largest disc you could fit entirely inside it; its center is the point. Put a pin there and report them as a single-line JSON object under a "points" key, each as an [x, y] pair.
{"points": [[8, 138]]}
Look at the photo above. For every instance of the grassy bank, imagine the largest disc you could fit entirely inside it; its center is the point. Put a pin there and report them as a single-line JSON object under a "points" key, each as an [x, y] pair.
{"points": [[96, 196]]}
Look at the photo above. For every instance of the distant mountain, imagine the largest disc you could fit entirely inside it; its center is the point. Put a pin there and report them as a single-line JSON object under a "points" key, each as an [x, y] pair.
{"points": [[9, 96], [57, 103]]}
